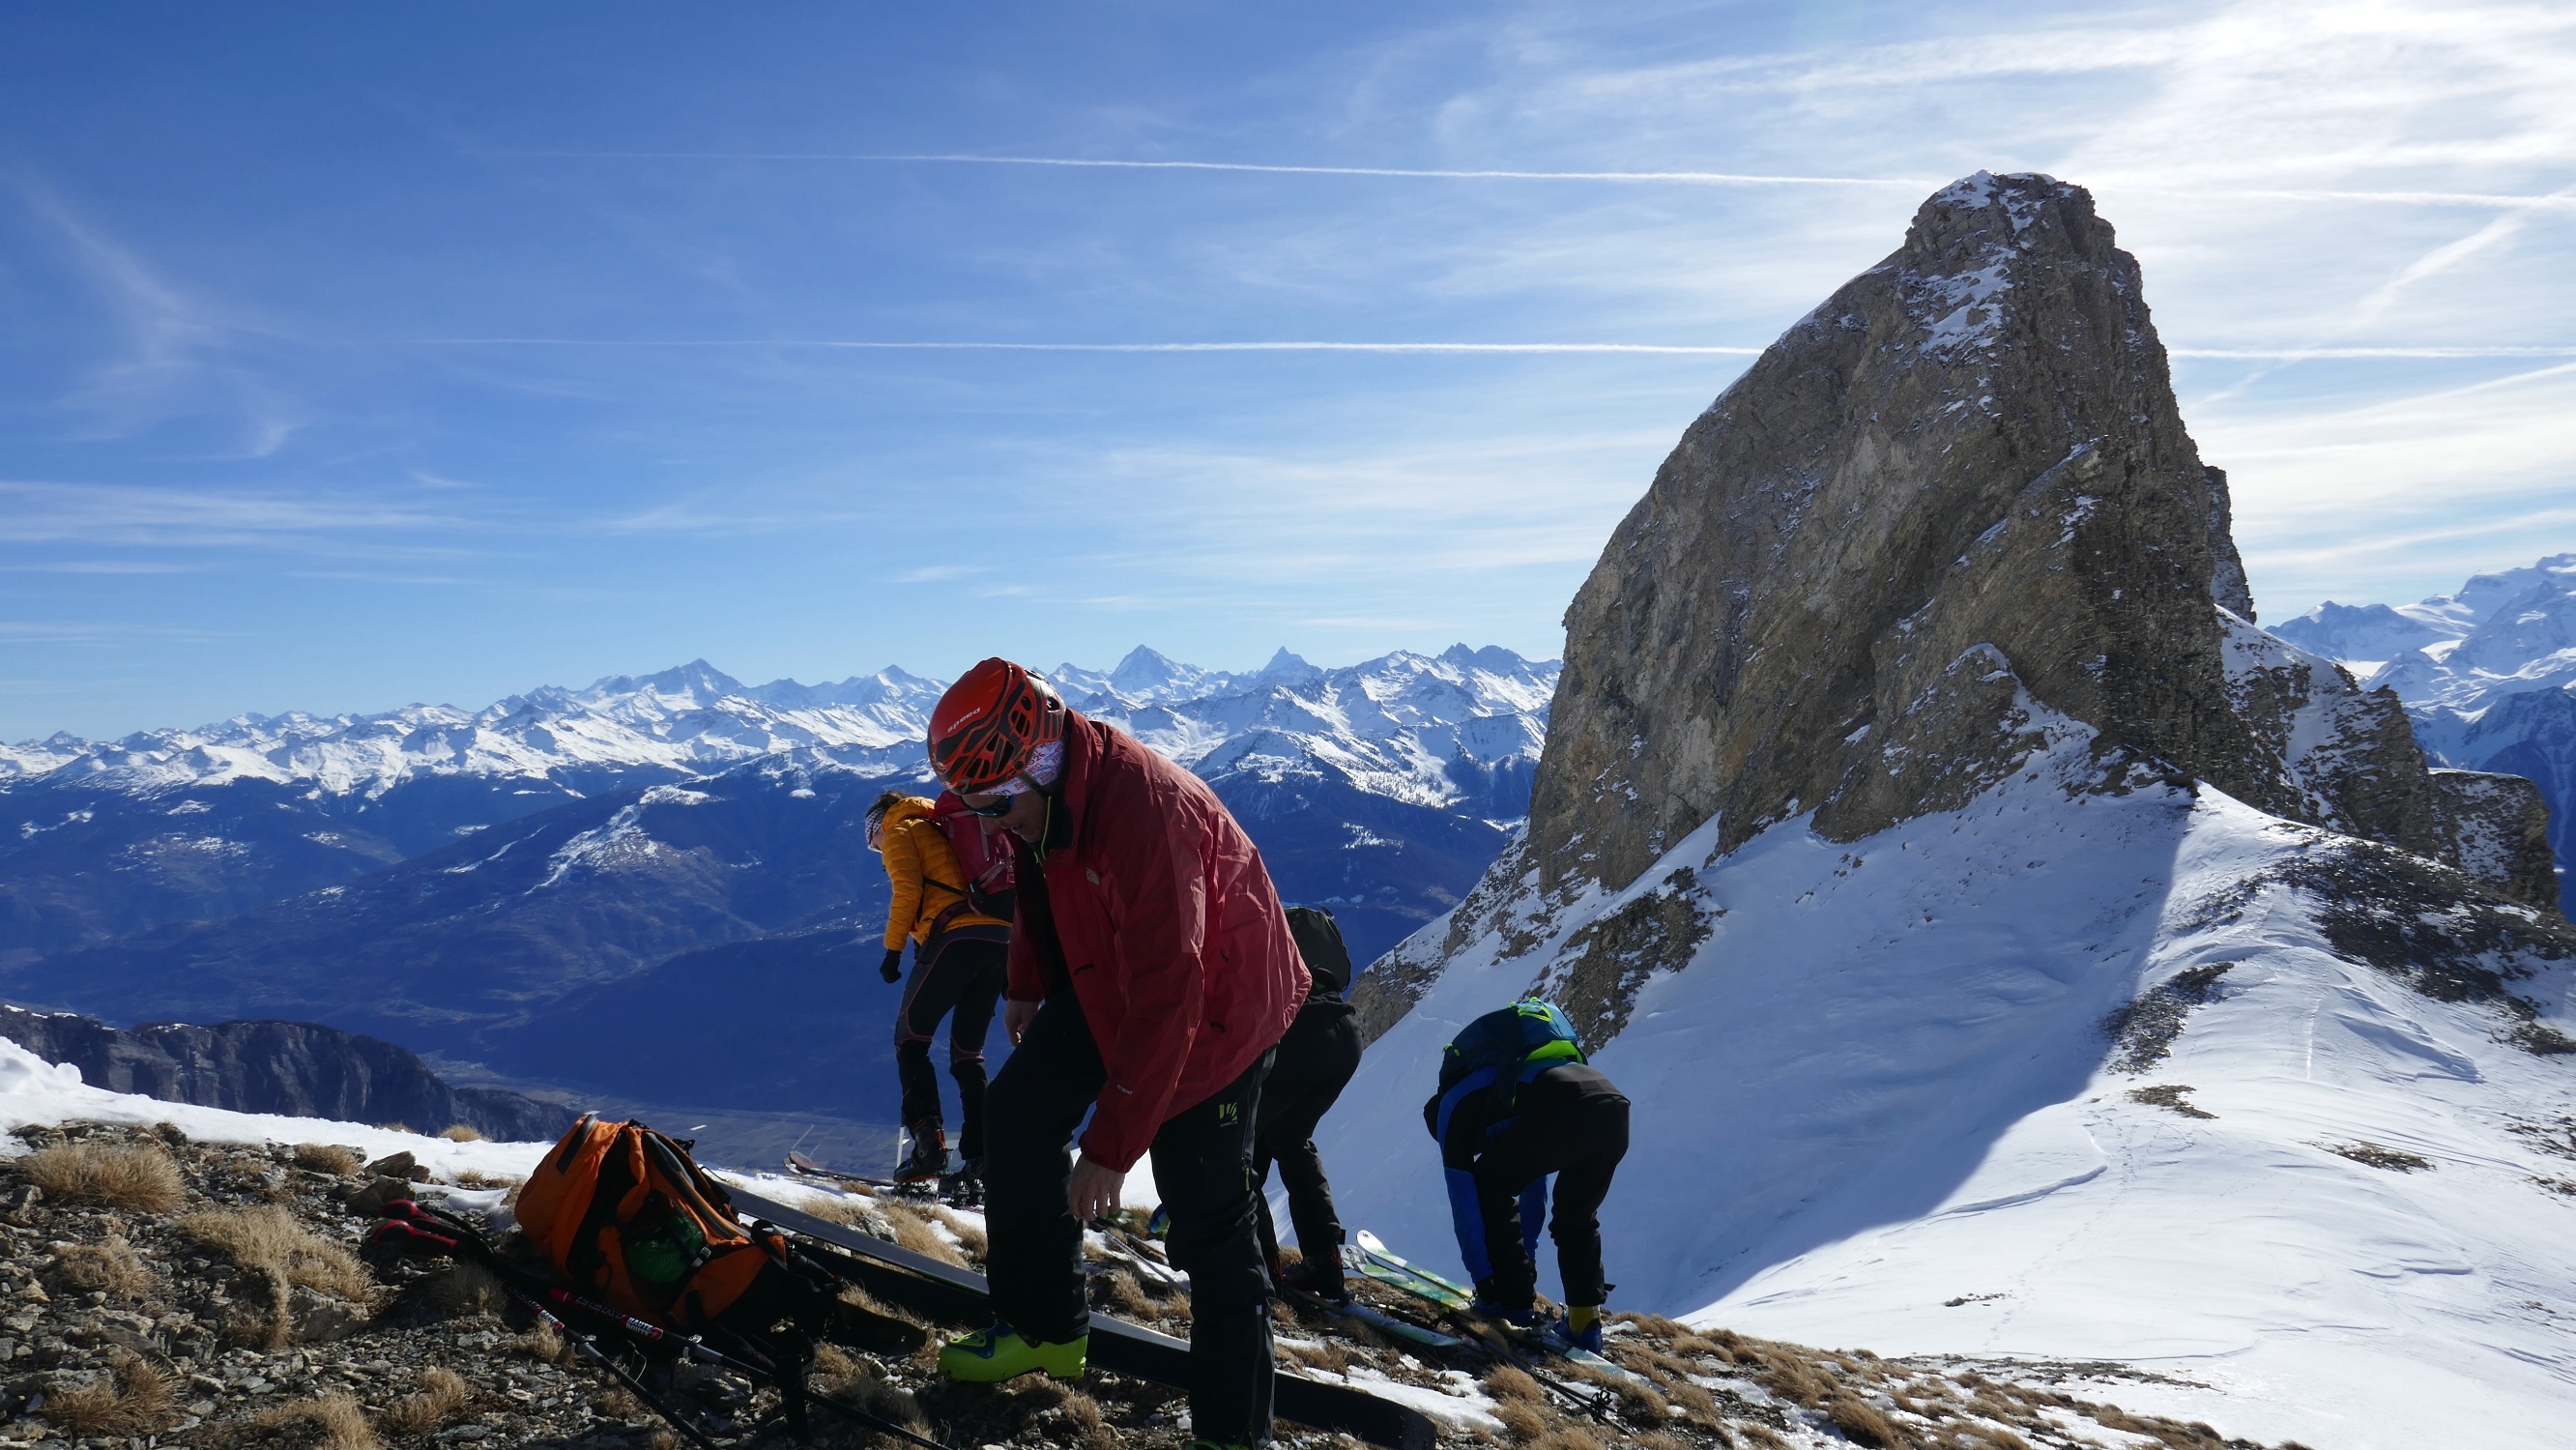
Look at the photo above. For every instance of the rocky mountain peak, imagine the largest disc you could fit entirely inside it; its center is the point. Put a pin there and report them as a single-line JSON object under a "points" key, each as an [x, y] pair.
{"points": [[1958, 491], [1951, 516]]}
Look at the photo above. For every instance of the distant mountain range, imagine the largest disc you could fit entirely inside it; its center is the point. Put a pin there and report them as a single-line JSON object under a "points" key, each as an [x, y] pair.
{"points": [[2486, 674], [655, 887]]}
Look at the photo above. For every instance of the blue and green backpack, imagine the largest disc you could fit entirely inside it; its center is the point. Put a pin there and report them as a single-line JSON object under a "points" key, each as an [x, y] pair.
{"points": [[1519, 1041]]}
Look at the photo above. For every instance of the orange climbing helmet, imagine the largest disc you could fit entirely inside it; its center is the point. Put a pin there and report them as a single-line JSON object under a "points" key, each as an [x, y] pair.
{"points": [[984, 729]]}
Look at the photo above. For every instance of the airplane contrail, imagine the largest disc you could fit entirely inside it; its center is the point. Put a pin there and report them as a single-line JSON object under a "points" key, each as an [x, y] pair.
{"points": [[2300, 354], [2502, 200], [860, 344], [1698, 178], [2247, 354]]}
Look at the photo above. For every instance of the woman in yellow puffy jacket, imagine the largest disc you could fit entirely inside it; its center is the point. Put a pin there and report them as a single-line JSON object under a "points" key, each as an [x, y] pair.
{"points": [[957, 914]]}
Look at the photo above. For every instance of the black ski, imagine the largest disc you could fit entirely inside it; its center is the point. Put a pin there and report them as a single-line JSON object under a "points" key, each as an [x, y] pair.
{"points": [[940, 1290]]}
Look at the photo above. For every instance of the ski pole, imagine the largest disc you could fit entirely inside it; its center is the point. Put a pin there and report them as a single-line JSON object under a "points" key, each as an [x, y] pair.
{"points": [[706, 1353], [589, 1350]]}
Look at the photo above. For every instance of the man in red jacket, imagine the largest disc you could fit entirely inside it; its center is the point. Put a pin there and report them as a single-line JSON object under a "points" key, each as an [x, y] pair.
{"points": [[1152, 973]]}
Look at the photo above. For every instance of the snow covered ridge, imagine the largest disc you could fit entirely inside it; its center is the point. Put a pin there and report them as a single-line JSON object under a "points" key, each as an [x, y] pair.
{"points": [[34, 1091], [2140, 1076], [1396, 721]]}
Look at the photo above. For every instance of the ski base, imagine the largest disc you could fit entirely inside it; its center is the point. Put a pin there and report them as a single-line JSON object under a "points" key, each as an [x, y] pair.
{"points": [[1371, 1258], [1378, 1320]]}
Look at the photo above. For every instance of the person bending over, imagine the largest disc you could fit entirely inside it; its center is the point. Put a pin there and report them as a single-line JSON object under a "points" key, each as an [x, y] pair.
{"points": [[1516, 1103], [955, 909], [1152, 974]]}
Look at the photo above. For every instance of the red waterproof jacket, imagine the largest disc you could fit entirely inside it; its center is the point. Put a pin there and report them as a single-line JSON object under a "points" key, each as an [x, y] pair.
{"points": [[1172, 934]]}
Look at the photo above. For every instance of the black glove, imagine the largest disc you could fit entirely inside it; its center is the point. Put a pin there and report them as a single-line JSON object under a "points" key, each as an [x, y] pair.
{"points": [[892, 971]]}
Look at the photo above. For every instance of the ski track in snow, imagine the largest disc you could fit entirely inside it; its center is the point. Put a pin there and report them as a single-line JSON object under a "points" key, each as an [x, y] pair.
{"points": [[1875, 1111]]}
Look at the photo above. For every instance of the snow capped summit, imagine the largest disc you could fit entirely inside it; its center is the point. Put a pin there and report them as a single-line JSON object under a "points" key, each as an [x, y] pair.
{"points": [[2488, 673], [1452, 739]]}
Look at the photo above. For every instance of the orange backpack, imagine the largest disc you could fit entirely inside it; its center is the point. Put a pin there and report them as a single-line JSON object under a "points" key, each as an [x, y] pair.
{"points": [[629, 1217]]}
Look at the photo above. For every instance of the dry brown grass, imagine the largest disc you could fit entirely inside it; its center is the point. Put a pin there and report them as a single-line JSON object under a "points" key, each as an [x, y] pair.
{"points": [[854, 1381], [912, 1231], [136, 1176], [268, 1241], [849, 1212], [331, 1158], [461, 1133], [111, 1265], [544, 1344], [329, 1422], [475, 1178], [1327, 1356], [1863, 1423], [134, 1399], [970, 1238], [1090, 1430], [442, 1393], [1122, 1291]]}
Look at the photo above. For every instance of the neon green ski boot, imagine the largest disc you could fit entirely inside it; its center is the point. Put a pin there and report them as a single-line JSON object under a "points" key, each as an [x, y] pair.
{"points": [[990, 1356]]}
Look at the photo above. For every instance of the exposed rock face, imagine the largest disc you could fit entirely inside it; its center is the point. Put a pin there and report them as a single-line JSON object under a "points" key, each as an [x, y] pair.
{"points": [[297, 1069], [1963, 475], [2227, 582], [2349, 759], [1955, 499]]}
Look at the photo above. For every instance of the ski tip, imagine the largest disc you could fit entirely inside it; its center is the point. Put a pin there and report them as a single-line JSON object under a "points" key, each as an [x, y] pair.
{"points": [[1369, 1241]]}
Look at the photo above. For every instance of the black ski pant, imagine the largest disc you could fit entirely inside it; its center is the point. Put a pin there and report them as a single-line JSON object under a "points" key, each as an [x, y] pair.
{"points": [[1580, 1141], [960, 978], [1203, 1167], [1314, 1063]]}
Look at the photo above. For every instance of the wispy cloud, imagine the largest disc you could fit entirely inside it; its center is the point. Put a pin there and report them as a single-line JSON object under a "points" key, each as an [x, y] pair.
{"points": [[938, 574], [49, 631], [92, 513], [176, 354], [95, 566]]}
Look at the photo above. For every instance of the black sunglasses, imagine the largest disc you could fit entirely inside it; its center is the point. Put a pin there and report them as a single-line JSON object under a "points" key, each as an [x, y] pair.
{"points": [[995, 811]]}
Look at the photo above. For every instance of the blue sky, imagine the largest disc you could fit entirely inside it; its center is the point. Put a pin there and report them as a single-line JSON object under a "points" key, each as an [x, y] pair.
{"points": [[357, 355]]}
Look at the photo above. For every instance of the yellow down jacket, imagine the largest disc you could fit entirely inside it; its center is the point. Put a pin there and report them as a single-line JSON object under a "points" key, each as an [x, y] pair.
{"points": [[923, 868]]}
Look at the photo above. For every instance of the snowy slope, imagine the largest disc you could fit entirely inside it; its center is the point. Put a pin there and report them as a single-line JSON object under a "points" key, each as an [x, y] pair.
{"points": [[33, 1090], [1877, 1107]]}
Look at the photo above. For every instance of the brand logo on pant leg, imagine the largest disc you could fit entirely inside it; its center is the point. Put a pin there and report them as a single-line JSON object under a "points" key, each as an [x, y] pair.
{"points": [[1229, 1112]]}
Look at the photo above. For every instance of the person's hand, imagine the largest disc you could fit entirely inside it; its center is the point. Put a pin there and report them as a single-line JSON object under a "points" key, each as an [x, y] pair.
{"points": [[892, 970], [1016, 1017], [1095, 1190]]}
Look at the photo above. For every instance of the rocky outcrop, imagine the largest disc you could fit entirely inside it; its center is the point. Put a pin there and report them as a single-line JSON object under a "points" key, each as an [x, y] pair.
{"points": [[1962, 478], [2227, 583], [2349, 759], [2498, 829], [1953, 502], [297, 1069]]}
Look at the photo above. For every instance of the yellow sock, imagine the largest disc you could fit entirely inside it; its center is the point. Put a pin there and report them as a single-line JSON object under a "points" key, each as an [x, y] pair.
{"points": [[1580, 1317]]}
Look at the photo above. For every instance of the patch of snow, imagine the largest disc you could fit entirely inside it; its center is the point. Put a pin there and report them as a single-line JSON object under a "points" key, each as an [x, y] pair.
{"points": [[34, 1091]]}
